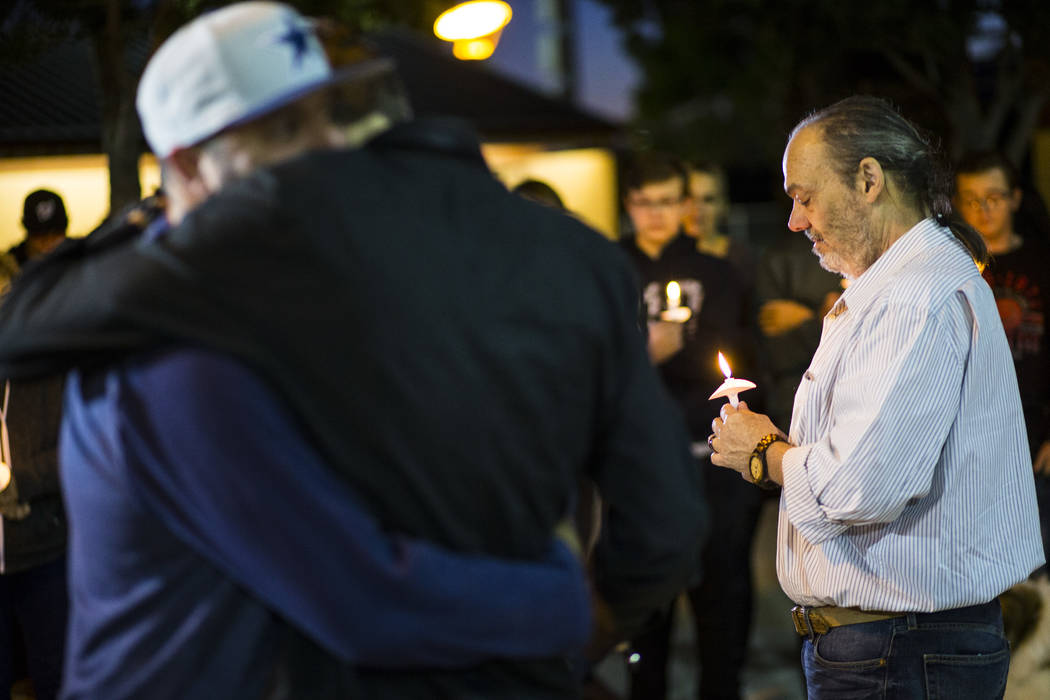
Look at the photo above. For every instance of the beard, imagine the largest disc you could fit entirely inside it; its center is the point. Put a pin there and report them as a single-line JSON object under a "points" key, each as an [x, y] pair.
{"points": [[849, 240]]}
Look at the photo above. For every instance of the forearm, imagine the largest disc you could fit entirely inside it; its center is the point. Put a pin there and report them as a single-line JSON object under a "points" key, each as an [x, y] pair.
{"points": [[440, 609], [775, 460]]}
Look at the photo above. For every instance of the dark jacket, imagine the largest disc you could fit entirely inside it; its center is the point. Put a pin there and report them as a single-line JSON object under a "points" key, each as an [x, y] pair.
{"points": [[460, 355], [33, 414]]}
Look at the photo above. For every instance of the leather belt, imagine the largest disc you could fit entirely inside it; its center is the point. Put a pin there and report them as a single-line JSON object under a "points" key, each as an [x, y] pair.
{"points": [[820, 619]]}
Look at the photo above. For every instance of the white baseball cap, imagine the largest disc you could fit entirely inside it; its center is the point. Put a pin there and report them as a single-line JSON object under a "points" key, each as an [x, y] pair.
{"points": [[225, 68]]}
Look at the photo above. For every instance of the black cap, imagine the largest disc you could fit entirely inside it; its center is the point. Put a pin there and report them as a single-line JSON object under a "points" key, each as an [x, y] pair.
{"points": [[44, 211]]}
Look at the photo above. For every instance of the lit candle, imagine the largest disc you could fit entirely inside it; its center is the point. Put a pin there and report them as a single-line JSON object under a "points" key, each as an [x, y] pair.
{"points": [[674, 295], [675, 311], [731, 386]]}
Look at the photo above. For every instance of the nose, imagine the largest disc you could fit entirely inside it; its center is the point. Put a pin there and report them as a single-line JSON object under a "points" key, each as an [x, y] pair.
{"points": [[797, 222], [655, 214]]}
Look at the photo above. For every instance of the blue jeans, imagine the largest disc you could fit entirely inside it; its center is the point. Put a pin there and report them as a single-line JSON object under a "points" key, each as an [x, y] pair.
{"points": [[950, 654]]}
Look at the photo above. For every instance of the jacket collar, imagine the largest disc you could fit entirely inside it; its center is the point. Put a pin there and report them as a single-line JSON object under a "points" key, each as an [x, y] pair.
{"points": [[449, 136]]}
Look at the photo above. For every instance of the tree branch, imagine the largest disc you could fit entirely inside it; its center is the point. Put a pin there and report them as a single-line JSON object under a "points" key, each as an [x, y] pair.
{"points": [[1028, 113], [910, 73]]}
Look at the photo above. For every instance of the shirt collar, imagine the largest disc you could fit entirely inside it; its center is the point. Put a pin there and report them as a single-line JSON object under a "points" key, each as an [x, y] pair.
{"points": [[863, 290]]}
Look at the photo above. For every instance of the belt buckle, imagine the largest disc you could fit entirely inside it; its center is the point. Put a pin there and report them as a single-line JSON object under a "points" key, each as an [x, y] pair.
{"points": [[805, 624], [800, 616]]}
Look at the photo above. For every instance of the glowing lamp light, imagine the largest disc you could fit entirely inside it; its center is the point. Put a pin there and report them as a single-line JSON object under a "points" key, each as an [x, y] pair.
{"points": [[473, 27], [675, 312], [731, 386], [473, 49]]}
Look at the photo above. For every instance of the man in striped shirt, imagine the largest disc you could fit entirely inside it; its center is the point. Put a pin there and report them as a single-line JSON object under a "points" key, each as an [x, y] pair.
{"points": [[908, 502]]}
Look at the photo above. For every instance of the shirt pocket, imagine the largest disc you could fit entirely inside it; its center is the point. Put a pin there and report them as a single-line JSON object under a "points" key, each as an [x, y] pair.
{"points": [[816, 389]]}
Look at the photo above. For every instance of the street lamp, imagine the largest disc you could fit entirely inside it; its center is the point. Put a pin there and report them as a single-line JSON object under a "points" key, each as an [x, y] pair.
{"points": [[473, 27]]}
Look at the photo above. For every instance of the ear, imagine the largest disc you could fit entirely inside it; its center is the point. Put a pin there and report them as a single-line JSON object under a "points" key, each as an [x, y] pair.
{"points": [[871, 180], [185, 164]]}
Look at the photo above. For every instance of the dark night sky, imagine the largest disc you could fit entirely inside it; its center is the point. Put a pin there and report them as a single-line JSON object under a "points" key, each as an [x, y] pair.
{"points": [[605, 75]]}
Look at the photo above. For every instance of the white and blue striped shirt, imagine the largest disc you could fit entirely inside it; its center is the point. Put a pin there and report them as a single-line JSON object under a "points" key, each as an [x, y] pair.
{"points": [[911, 488]]}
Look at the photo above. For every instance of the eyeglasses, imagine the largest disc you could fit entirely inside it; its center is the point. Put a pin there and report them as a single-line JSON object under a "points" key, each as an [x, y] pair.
{"points": [[993, 201], [665, 203]]}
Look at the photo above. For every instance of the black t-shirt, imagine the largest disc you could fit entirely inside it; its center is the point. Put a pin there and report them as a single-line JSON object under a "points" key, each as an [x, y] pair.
{"points": [[1020, 281], [711, 289]]}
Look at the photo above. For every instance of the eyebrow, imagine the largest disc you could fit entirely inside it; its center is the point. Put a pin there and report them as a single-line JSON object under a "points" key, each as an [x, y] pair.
{"points": [[790, 189]]}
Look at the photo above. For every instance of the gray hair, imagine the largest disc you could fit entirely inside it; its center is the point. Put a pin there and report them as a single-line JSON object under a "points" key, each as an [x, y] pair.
{"points": [[859, 127]]}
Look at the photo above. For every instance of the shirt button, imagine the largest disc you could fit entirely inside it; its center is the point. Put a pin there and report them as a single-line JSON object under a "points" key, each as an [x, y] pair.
{"points": [[809, 375]]}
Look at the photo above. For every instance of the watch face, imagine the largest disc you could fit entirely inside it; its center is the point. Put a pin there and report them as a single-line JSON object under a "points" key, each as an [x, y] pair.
{"points": [[755, 467]]}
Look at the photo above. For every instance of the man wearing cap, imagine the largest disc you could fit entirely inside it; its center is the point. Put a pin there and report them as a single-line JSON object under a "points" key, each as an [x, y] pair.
{"points": [[303, 341], [45, 221]]}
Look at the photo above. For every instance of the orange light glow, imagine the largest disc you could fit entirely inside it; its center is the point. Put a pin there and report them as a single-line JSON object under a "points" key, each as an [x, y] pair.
{"points": [[473, 49]]}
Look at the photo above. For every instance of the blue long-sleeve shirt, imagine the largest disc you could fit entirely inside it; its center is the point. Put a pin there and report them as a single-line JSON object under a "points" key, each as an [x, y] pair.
{"points": [[204, 525]]}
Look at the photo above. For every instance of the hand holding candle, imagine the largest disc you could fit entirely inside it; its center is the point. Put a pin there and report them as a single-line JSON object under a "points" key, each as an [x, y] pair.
{"points": [[731, 387]]}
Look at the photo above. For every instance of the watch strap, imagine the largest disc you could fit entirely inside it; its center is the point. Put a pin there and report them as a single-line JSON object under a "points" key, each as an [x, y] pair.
{"points": [[760, 453]]}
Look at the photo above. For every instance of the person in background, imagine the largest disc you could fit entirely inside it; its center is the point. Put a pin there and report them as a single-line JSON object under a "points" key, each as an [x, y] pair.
{"points": [[907, 426], [45, 222], [988, 194], [707, 208], [33, 605], [706, 217], [706, 220], [685, 354], [793, 294], [335, 413]]}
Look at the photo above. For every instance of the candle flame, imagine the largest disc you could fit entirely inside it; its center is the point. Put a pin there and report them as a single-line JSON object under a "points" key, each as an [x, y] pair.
{"points": [[724, 365], [674, 295]]}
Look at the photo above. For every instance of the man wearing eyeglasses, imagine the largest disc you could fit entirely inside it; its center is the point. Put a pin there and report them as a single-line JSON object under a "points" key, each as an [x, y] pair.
{"points": [[988, 195], [685, 352]]}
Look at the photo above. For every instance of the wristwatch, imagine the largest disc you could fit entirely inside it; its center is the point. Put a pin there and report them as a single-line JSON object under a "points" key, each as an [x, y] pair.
{"points": [[757, 463]]}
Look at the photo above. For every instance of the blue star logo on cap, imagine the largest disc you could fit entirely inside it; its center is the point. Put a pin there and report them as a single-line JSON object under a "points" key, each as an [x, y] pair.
{"points": [[297, 38]]}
